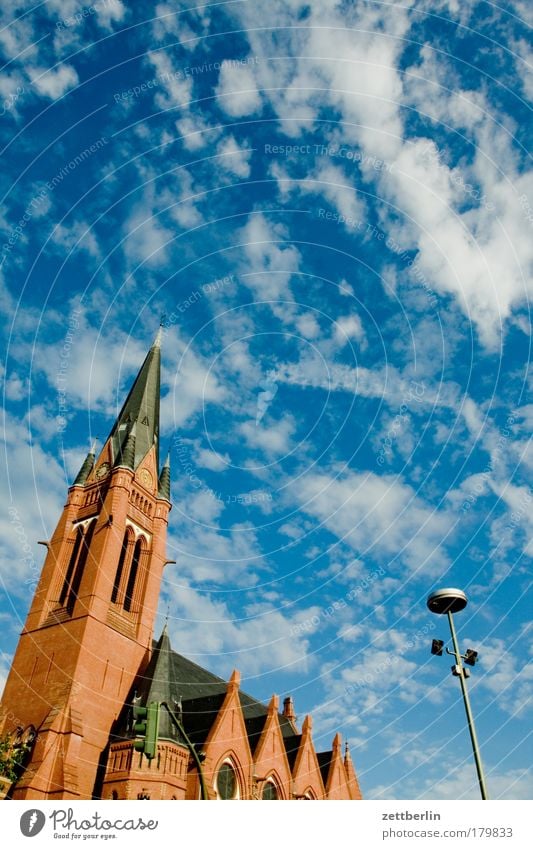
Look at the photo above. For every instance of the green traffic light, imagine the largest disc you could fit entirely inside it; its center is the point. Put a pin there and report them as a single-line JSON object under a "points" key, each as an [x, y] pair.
{"points": [[146, 727]]}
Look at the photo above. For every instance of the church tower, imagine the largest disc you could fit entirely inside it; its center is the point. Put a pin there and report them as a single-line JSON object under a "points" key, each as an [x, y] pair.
{"points": [[90, 627]]}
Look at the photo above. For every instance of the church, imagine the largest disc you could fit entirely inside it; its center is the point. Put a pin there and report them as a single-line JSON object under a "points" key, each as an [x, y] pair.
{"points": [[87, 666]]}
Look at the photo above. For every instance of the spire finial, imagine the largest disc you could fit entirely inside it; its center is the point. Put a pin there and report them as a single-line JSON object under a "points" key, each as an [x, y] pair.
{"points": [[92, 449], [159, 334]]}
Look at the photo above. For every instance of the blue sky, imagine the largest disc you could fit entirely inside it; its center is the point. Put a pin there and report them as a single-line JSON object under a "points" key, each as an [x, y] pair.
{"points": [[332, 206]]}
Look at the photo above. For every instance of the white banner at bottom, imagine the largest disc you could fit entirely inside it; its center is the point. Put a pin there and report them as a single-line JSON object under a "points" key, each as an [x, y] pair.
{"points": [[367, 824]]}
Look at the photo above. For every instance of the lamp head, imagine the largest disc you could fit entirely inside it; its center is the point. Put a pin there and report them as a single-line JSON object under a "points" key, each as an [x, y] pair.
{"points": [[448, 600]]}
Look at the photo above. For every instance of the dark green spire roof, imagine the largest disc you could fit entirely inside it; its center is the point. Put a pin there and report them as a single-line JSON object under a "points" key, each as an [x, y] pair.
{"points": [[87, 467], [126, 455], [164, 480], [140, 412]]}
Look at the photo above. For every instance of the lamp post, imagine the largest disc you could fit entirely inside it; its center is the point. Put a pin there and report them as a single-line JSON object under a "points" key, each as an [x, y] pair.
{"points": [[449, 601]]}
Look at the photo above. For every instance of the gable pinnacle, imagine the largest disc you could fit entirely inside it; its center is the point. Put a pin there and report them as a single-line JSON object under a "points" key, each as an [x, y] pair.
{"points": [[127, 451], [164, 480], [87, 467]]}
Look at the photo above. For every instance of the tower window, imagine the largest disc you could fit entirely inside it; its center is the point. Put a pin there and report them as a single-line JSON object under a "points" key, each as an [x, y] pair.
{"points": [[70, 569], [80, 566], [130, 588], [120, 568]]}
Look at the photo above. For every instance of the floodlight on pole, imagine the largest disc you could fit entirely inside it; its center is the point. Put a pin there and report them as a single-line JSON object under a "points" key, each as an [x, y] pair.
{"points": [[448, 601]]}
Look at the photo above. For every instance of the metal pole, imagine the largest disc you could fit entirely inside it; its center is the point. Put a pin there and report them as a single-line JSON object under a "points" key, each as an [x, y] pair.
{"points": [[203, 786], [470, 718]]}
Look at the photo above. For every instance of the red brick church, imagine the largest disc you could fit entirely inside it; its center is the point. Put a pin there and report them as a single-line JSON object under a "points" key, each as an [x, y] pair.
{"points": [[86, 657]]}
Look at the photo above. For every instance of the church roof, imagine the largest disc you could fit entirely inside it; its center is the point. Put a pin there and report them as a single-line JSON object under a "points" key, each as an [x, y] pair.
{"points": [[195, 694], [324, 762]]}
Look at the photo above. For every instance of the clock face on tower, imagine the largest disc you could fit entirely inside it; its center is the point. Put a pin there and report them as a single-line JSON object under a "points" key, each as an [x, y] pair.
{"points": [[146, 478], [102, 470]]}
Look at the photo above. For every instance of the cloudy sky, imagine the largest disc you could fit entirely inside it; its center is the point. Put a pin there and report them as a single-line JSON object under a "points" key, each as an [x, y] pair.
{"points": [[330, 204]]}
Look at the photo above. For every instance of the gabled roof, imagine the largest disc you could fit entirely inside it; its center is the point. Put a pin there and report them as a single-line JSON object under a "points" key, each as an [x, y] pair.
{"points": [[292, 744], [324, 762], [193, 693]]}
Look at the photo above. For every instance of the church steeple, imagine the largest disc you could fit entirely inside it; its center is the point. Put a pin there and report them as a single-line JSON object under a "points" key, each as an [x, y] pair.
{"points": [[89, 630], [140, 414]]}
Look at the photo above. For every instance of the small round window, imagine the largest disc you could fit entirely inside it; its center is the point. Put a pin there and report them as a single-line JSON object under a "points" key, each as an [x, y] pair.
{"points": [[270, 791], [226, 782]]}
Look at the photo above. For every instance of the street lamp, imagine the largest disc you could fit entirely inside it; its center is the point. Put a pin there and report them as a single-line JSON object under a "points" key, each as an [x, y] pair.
{"points": [[448, 601]]}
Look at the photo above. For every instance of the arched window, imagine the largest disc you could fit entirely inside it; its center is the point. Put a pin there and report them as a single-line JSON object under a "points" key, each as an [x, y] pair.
{"points": [[227, 783], [130, 588], [270, 791], [120, 568], [80, 566], [70, 569]]}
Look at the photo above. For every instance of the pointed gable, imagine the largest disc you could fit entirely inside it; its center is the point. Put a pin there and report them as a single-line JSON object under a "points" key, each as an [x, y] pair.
{"points": [[227, 740], [270, 757], [332, 768], [351, 778], [306, 771]]}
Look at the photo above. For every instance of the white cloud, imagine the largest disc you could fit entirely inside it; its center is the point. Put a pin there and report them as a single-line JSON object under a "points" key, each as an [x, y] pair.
{"points": [[208, 459], [237, 89], [145, 237], [233, 158], [192, 385], [55, 82], [270, 260], [196, 131], [349, 327], [208, 633], [377, 514], [272, 438], [462, 783], [31, 502], [110, 12], [173, 89]]}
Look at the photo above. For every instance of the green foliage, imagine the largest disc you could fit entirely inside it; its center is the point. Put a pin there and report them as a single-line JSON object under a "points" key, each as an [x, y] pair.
{"points": [[10, 758]]}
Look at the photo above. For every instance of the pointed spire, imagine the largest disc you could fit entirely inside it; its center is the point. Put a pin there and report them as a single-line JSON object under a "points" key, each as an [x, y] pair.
{"points": [[353, 784], [141, 409], [87, 466], [164, 639], [164, 480], [158, 337], [157, 683]]}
